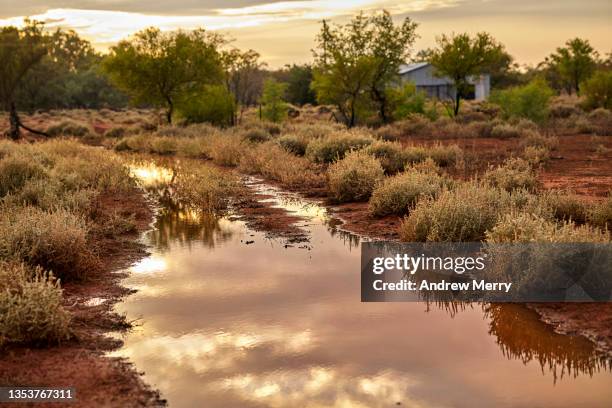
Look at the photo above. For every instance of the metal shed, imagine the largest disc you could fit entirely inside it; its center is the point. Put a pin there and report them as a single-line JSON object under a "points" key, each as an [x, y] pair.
{"points": [[422, 74]]}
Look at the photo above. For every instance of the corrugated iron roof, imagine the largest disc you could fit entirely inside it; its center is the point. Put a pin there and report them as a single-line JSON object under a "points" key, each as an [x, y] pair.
{"points": [[404, 68]]}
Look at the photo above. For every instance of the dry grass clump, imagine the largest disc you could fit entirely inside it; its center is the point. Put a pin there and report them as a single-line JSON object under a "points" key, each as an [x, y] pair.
{"points": [[462, 214], [256, 135], [225, 149], [15, 171], [565, 205], [202, 187], [536, 155], [275, 163], [600, 214], [445, 155], [505, 131], [512, 174], [116, 132], [31, 309], [392, 155], [564, 106], [335, 146], [398, 193], [536, 139], [525, 227], [293, 143], [354, 177], [68, 128], [56, 241]]}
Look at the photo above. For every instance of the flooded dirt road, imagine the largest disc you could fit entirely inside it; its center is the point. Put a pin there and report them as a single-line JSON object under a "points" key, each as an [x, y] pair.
{"points": [[228, 317]]}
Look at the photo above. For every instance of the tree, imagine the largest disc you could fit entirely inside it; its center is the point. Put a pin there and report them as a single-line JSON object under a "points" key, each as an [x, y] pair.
{"points": [[20, 51], [273, 100], [356, 63], [574, 63], [242, 79], [461, 57], [598, 90], [159, 68], [299, 79]]}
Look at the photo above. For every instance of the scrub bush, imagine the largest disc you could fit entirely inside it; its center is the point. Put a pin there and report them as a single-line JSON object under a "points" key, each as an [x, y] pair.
{"points": [[397, 194], [536, 155], [391, 155], [565, 206], [224, 149], [293, 144], [31, 309], [15, 171], [68, 128], [505, 131], [536, 139], [462, 214], [335, 146], [514, 173], [598, 90], [601, 214], [354, 177], [528, 101]]}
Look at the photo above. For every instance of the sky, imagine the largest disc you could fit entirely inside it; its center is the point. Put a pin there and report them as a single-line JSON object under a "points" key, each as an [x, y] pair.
{"points": [[283, 31]]}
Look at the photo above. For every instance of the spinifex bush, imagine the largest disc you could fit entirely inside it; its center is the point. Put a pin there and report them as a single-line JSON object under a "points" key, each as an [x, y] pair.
{"points": [[31, 309], [601, 214], [526, 227], [292, 143], [536, 155], [398, 193], [225, 149], [536, 139], [68, 128], [16, 171], [275, 163], [354, 177], [462, 214], [514, 173], [392, 156], [505, 131], [565, 205], [202, 187], [56, 241], [336, 145]]}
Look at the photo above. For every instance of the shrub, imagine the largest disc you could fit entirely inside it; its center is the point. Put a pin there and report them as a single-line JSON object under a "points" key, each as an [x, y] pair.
{"points": [[536, 139], [406, 100], [293, 144], [274, 163], [68, 128], [116, 132], [565, 206], [213, 104], [445, 155], [397, 194], [536, 155], [514, 173], [461, 214], [163, 145], [391, 155], [256, 135], [224, 149], [525, 227], [274, 107], [528, 101], [336, 145], [564, 107], [31, 309], [354, 177], [601, 214], [56, 241], [16, 171], [598, 90], [202, 187], [505, 131]]}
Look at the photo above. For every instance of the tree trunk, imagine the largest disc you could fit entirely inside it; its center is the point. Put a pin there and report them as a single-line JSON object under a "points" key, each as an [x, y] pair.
{"points": [[13, 132], [170, 110], [457, 101]]}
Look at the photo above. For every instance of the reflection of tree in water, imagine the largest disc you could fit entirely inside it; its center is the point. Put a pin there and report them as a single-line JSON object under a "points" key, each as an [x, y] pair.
{"points": [[521, 335], [351, 239], [186, 227]]}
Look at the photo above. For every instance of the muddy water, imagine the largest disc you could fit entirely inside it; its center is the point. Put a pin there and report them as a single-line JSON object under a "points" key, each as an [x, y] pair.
{"points": [[231, 318]]}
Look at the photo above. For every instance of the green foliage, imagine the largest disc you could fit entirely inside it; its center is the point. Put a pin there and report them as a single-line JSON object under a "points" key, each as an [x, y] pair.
{"points": [[357, 63], [406, 101], [299, 79], [528, 101], [274, 106], [460, 57], [598, 90], [574, 63], [161, 68], [354, 177], [212, 104]]}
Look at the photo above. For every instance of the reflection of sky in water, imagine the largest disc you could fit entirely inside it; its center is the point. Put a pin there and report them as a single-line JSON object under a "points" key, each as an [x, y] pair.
{"points": [[225, 324]]}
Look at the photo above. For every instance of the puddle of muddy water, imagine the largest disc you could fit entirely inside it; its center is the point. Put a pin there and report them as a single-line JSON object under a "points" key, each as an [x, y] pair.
{"points": [[226, 324]]}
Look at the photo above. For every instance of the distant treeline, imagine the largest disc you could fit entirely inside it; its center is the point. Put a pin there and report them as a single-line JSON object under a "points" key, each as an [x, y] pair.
{"points": [[198, 76]]}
